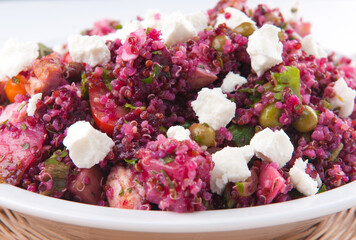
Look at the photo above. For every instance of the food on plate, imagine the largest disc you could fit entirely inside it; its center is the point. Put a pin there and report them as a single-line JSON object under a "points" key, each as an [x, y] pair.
{"points": [[225, 108]]}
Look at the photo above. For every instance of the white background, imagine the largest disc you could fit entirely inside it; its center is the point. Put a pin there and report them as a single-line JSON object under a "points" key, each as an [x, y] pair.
{"points": [[52, 21]]}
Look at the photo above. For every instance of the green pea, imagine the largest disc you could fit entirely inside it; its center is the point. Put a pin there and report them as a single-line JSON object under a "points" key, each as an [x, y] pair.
{"points": [[219, 42], [307, 121], [269, 116], [203, 134], [245, 29]]}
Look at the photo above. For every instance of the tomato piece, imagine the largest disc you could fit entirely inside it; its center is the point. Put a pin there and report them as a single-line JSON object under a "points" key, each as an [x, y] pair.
{"points": [[104, 118], [15, 86]]}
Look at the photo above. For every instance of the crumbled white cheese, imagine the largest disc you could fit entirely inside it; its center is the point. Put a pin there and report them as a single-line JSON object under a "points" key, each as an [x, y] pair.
{"points": [[311, 47], [177, 28], [304, 183], [199, 20], [91, 50], [230, 166], [179, 133], [16, 56], [212, 107], [235, 19], [230, 82], [31, 106], [153, 19], [344, 98], [86, 145], [272, 146], [264, 48]]}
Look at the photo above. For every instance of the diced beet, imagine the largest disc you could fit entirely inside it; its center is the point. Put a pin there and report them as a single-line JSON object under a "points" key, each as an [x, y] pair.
{"points": [[201, 78], [2, 90], [271, 181], [124, 191], [87, 187], [20, 142]]}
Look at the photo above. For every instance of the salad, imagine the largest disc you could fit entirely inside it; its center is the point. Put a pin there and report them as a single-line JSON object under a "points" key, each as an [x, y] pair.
{"points": [[226, 108]]}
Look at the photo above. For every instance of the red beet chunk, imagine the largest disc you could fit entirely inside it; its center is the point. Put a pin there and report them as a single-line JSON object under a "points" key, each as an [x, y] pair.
{"points": [[86, 187], [21, 140]]}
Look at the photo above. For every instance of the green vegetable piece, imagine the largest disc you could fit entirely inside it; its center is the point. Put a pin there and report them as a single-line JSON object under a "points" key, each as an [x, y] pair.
{"points": [[23, 126], [322, 189], [307, 121], [58, 173], [131, 161], [269, 116], [25, 146], [245, 29], [241, 135], [157, 69], [167, 159], [59, 154], [289, 78], [335, 153], [107, 79], [203, 134], [43, 50], [84, 86], [219, 42]]}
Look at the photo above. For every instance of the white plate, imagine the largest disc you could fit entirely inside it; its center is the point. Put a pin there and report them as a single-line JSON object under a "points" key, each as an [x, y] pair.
{"points": [[51, 21]]}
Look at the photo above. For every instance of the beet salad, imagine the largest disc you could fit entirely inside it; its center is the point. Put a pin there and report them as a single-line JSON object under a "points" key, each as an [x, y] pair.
{"points": [[225, 108]]}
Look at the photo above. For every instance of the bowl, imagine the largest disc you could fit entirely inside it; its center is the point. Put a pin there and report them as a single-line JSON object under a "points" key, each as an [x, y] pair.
{"points": [[259, 222]]}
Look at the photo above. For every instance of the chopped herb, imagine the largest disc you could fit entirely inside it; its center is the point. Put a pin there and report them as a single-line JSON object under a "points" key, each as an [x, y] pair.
{"points": [[54, 158], [289, 78], [131, 161], [241, 135], [128, 106], [201, 66], [156, 71], [170, 183], [26, 145], [157, 52], [129, 190], [121, 192], [335, 153], [22, 105], [322, 189], [148, 30], [167, 159], [118, 26], [107, 79], [43, 50], [23, 126], [15, 80], [240, 187], [4, 122], [278, 96]]}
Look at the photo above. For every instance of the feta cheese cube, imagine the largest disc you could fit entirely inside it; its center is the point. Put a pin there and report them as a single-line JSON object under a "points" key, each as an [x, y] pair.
{"points": [[212, 107], [16, 56], [179, 133], [272, 146], [91, 50], [31, 106], [177, 28], [344, 98], [311, 47], [230, 82], [264, 48], [304, 183], [230, 166], [199, 20], [86, 145], [236, 17]]}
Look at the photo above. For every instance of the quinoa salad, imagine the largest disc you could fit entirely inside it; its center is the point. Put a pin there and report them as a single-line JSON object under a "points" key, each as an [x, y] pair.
{"points": [[224, 108]]}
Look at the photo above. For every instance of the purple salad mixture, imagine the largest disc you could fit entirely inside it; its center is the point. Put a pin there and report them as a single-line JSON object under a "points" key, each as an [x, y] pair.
{"points": [[226, 108]]}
